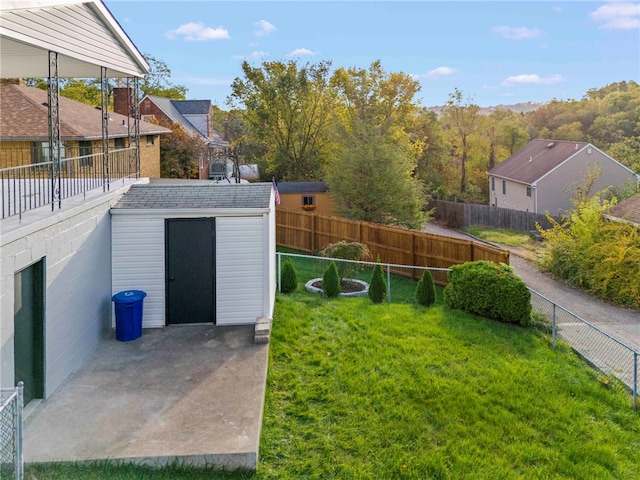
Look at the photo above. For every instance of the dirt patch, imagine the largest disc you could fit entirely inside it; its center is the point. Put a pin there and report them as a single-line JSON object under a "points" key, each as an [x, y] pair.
{"points": [[346, 286]]}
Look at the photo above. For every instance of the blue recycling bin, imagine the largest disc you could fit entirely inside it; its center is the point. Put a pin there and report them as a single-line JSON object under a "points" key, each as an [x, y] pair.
{"points": [[128, 314]]}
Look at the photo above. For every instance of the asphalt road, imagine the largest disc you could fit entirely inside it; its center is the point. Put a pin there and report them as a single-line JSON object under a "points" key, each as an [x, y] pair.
{"points": [[621, 323]]}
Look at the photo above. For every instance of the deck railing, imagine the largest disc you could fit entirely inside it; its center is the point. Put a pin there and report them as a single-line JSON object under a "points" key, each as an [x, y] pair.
{"points": [[29, 181]]}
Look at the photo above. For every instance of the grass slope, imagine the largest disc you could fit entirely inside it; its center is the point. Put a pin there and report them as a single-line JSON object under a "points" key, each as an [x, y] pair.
{"points": [[357, 390]]}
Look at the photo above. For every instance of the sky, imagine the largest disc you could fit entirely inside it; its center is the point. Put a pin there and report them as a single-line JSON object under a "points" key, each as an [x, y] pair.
{"points": [[499, 52]]}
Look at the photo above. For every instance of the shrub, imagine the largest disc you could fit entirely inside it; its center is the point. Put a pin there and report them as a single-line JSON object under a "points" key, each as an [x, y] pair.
{"points": [[490, 290], [378, 285], [288, 278], [426, 290], [347, 251], [331, 281]]}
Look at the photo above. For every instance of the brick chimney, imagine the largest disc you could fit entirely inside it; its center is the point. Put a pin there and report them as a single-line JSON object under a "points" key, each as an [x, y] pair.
{"points": [[120, 104]]}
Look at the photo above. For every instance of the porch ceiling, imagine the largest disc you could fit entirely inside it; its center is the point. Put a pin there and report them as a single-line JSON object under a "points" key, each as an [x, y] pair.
{"points": [[83, 33]]}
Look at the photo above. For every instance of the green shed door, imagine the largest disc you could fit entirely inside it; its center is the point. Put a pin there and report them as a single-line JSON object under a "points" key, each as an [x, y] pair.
{"points": [[28, 338]]}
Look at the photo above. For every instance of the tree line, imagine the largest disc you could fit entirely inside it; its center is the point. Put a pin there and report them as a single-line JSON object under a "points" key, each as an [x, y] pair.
{"points": [[363, 132]]}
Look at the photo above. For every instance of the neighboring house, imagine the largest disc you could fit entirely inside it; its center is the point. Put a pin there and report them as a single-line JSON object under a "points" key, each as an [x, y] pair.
{"points": [[194, 116], [307, 196], [203, 253], [24, 132], [627, 211], [542, 176]]}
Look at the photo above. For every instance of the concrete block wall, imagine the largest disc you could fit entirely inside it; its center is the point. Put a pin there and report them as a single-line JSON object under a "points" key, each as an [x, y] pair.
{"points": [[75, 244]]}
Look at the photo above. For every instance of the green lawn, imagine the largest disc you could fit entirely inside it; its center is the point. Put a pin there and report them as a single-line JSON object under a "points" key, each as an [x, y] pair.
{"points": [[526, 246], [397, 391]]}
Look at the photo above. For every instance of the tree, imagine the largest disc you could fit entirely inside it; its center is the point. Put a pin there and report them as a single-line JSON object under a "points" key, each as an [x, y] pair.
{"points": [[372, 176], [180, 154], [378, 284], [158, 81], [287, 113], [426, 290], [461, 115]]}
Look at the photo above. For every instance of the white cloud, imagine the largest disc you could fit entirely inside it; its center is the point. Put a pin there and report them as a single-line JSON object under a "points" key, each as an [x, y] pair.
{"points": [[617, 16], [196, 80], [437, 73], [263, 28], [197, 32], [531, 79], [299, 52], [256, 54], [518, 33]]}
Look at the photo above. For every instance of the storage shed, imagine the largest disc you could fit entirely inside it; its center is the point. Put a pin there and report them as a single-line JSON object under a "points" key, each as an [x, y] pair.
{"points": [[203, 252]]}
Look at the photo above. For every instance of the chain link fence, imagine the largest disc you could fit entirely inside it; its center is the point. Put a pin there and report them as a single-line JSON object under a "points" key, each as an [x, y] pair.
{"points": [[608, 354], [600, 349], [11, 458], [400, 278]]}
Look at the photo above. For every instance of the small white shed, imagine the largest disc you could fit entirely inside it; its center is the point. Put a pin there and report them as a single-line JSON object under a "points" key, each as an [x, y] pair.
{"points": [[203, 252]]}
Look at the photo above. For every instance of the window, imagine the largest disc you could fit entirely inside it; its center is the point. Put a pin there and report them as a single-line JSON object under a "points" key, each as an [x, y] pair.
{"points": [[40, 153], [84, 151], [308, 202], [150, 139], [504, 187], [493, 184], [119, 143], [528, 191]]}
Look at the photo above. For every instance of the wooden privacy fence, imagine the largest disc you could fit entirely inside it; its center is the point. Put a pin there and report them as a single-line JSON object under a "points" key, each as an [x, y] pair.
{"points": [[458, 215], [308, 232]]}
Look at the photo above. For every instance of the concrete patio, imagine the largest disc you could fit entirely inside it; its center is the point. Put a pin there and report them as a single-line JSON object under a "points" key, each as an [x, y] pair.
{"points": [[189, 393]]}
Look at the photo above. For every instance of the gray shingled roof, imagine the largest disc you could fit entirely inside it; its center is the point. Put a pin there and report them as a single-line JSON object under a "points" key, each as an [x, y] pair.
{"points": [[192, 107], [194, 196], [535, 159], [170, 110], [302, 187]]}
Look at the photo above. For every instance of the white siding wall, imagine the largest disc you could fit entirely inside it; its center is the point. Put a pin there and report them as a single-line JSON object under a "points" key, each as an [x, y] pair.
{"points": [[515, 197], [240, 265], [138, 263], [75, 245], [555, 189]]}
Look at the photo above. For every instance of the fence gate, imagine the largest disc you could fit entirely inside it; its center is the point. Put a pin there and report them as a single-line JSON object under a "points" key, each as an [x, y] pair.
{"points": [[11, 457]]}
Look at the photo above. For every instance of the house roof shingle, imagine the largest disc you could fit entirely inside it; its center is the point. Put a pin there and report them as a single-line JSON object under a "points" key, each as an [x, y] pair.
{"points": [[192, 107], [535, 159], [25, 117], [190, 195], [628, 210]]}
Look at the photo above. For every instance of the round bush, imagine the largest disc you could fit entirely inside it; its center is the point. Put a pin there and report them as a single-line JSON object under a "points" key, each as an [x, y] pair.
{"points": [[426, 290], [288, 278], [331, 281], [490, 290], [378, 285]]}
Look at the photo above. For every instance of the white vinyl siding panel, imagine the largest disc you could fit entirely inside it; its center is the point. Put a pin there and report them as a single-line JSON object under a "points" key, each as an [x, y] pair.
{"points": [[240, 263], [76, 31], [138, 263]]}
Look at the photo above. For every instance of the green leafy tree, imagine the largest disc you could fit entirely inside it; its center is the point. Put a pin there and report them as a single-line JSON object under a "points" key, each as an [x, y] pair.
{"points": [[331, 281], [460, 115], [426, 290], [287, 112], [372, 176], [288, 278], [158, 81], [378, 284], [180, 154]]}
